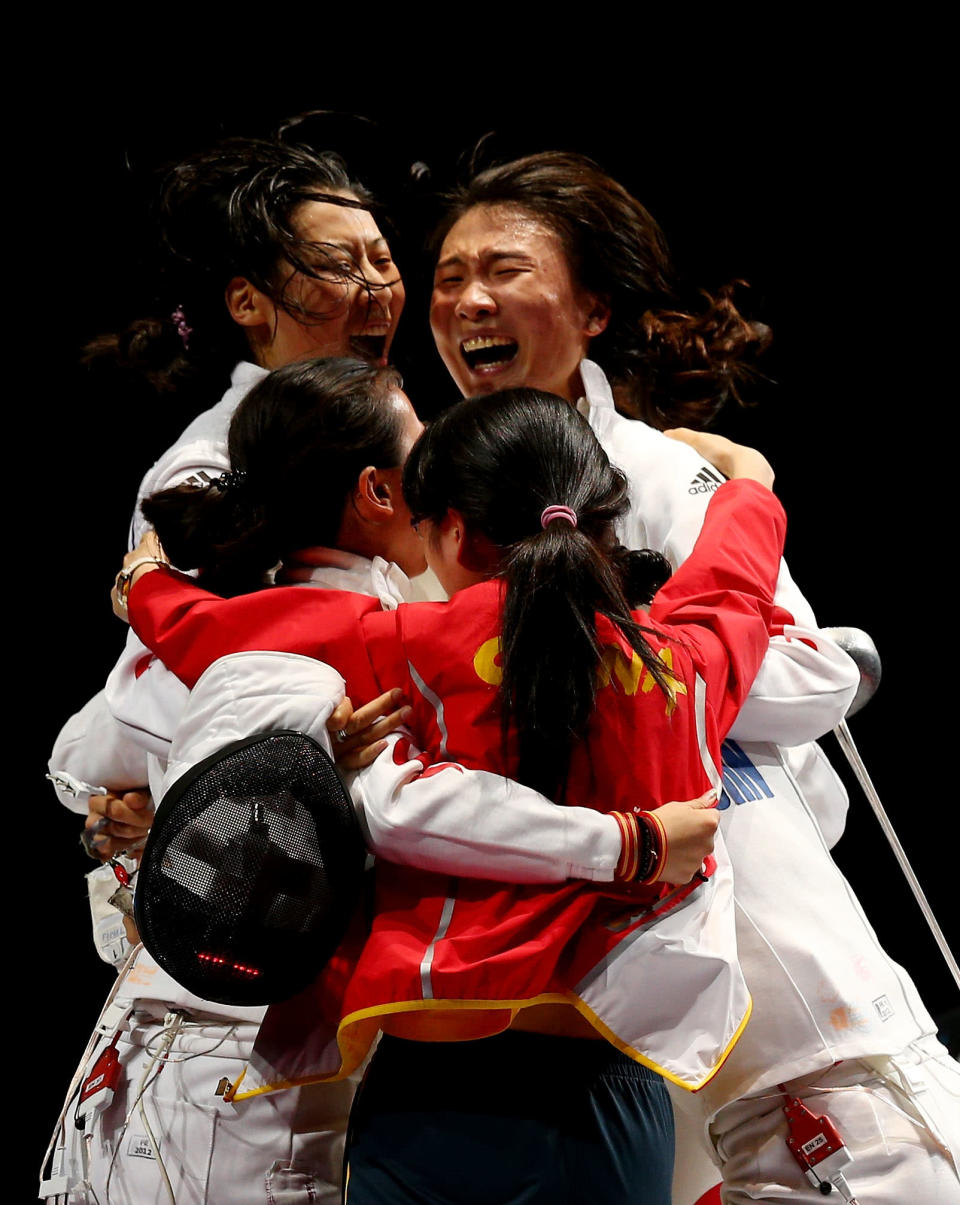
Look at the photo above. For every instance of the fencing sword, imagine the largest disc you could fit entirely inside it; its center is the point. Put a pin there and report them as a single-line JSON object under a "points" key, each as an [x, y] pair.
{"points": [[858, 645]]}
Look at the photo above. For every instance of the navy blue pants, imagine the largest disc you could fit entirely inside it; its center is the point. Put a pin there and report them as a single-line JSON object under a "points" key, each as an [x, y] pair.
{"points": [[510, 1120]]}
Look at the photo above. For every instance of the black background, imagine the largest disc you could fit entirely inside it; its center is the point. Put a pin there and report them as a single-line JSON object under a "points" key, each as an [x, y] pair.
{"points": [[814, 170]]}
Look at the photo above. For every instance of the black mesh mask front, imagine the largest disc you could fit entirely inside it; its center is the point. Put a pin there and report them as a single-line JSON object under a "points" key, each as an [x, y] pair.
{"points": [[252, 871]]}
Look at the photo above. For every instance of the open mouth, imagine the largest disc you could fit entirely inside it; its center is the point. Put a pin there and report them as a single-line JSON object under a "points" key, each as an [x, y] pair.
{"points": [[369, 347], [487, 353]]}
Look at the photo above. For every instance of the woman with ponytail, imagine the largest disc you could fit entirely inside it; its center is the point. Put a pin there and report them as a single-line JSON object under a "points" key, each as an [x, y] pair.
{"points": [[318, 448], [550, 274], [312, 447], [270, 254], [542, 667]]}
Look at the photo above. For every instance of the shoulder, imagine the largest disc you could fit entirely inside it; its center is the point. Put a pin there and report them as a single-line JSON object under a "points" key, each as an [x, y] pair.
{"points": [[468, 611], [202, 445], [436, 639], [641, 450], [650, 460]]}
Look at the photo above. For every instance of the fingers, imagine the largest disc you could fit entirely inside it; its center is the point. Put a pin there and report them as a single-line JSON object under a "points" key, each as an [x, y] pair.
{"points": [[691, 828], [138, 801], [101, 843], [732, 459], [149, 546], [128, 818], [706, 800], [134, 808], [369, 736], [117, 824], [684, 435], [385, 714], [104, 846], [340, 716], [361, 757], [118, 608], [349, 725], [359, 740]]}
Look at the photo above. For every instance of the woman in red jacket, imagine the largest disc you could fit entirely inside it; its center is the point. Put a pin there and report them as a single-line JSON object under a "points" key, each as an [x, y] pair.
{"points": [[540, 668]]}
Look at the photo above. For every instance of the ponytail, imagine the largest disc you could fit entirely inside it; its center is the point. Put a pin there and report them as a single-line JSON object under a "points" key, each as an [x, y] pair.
{"points": [[220, 529], [298, 442], [505, 462]]}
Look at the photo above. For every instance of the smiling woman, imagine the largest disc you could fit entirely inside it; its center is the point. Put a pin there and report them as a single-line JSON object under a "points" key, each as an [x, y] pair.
{"points": [[342, 294], [541, 260], [505, 310], [273, 256]]}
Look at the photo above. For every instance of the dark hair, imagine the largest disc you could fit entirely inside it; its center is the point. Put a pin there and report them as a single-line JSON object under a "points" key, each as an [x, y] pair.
{"points": [[671, 365], [500, 460], [297, 443], [227, 212]]}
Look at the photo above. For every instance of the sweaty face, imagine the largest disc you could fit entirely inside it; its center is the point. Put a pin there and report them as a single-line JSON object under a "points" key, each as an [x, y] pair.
{"points": [[352, 306], [505, 311]]}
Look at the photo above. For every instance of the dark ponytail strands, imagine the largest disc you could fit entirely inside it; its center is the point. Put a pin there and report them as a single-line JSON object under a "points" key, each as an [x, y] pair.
{"points": [[223, 533], [500, 461], [298, 442], [227, 211]]}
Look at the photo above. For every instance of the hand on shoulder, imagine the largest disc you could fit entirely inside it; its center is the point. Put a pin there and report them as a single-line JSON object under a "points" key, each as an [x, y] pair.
{"points": [[732, 459]]}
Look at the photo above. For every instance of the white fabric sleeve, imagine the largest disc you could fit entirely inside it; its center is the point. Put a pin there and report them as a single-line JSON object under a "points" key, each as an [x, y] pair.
{"points": [[94, 748], [452, 820], [194, 463], [803, 689], [145, 699]]}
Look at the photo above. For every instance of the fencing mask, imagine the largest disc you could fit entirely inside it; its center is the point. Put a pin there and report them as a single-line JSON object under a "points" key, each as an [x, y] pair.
{"points": [[252, 870]]}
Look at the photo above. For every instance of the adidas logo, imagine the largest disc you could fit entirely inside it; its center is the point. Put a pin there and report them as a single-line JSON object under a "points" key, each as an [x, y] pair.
{"points": [[706, 481]]}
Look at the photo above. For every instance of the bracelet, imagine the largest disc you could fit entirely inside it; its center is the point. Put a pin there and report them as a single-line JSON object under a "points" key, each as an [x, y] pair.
{"points": [[629, 860], [122, 582], [643, 848], [653, 868], [659, 847], [651, 847]]}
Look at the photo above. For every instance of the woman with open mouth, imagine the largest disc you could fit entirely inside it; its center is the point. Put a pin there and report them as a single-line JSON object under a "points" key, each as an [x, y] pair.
{"points": [[273, 256], [541, 263]]}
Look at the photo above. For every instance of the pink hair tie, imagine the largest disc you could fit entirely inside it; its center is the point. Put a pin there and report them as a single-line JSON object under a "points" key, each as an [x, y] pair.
{"points": [[558, 512]]}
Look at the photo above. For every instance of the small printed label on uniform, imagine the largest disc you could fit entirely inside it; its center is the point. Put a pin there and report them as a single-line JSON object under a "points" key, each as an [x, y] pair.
{"points": [[742, 781], [706, 481], [141, 1146], [884, 1007], [814, 1144]]}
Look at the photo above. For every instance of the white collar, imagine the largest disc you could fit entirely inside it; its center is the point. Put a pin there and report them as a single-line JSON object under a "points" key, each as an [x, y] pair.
{"points": [[596, 387], [247, 374], [333, 569]]}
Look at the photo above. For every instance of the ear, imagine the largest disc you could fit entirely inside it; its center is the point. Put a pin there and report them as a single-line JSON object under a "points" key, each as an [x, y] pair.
{"points": [[453, 530], [374, 497], [472, 549], [248, 306], [598, 317]]}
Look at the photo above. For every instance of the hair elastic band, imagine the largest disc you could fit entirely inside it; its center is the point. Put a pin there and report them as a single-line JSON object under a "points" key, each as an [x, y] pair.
{"points": [[229, 481], [558, 512], [179, 320]]}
